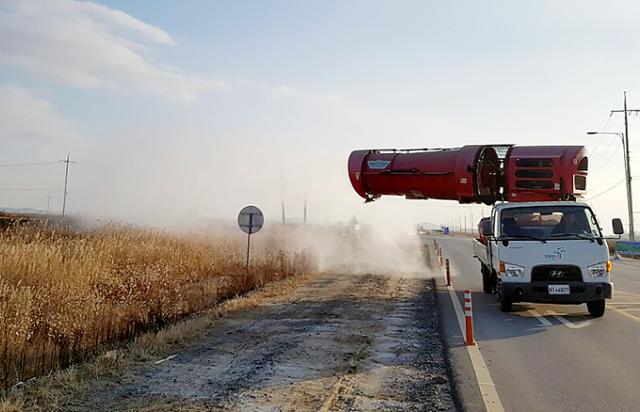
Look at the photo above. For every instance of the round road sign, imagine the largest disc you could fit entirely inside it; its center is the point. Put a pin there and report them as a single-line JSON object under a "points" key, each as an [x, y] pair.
{"points": [[250, 219]]}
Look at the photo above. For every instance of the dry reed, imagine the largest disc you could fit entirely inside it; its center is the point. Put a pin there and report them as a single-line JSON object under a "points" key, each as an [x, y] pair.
{"points": [[65, 295]]}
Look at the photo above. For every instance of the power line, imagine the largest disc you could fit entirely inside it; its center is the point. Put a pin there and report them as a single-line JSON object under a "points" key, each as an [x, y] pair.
{"points": [[604, 179], [603, 129], [27, 189], [628, 178], [606, 191], [604, 152], [612, 163], [612, 168], [606, 163], [27, 164]]}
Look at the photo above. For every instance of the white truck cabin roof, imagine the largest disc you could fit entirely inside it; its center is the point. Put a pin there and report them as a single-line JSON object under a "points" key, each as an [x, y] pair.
{"points": [[511, 205]]}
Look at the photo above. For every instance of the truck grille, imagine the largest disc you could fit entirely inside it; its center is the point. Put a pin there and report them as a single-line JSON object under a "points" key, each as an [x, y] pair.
{"points": [[556, 273]]}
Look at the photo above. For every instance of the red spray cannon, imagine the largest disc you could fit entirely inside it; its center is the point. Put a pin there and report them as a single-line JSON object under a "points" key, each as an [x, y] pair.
{"points": [[472, 174]]}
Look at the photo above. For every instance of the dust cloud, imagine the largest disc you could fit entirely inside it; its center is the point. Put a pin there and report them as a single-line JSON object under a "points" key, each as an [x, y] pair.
{"points": [[362, 250], [344, 248]]}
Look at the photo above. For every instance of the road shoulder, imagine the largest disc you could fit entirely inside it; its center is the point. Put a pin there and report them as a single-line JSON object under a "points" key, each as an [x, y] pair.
{"points": [[459, 366], [337, 342]]}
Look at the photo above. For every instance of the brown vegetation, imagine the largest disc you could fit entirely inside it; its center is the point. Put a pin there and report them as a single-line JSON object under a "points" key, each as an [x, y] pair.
{"points": [[57, 390], [65, 295]]}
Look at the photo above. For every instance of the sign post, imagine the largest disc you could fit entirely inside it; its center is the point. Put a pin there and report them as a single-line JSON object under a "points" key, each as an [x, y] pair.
{"points": [[250, 220]]}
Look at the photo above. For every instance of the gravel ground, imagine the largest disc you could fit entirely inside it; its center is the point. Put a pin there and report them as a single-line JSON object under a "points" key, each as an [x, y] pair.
{"points": [[338, 343]]}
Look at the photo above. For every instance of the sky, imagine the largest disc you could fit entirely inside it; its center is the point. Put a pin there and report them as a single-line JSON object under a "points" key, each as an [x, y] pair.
{"points": [[193, 109]]}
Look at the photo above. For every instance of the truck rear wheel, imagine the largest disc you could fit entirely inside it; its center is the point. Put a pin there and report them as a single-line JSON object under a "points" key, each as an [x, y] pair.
{"points": [[487, 279], [596, 308]]}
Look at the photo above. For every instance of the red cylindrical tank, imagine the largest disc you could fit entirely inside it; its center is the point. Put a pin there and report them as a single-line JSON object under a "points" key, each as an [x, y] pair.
{"points": [[468, 174], [472, 174]]}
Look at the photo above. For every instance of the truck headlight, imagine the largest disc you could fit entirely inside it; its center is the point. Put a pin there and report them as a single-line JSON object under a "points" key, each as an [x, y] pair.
{"points": [[511, 271], [599, 270]]}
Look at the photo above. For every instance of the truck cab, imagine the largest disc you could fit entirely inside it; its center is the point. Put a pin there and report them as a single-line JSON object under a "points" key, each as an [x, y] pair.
{"points": [[545, 252]]}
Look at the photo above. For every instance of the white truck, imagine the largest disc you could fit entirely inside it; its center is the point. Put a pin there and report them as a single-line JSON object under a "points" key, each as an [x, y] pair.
{"points": [[545, 252], [539, 245]]}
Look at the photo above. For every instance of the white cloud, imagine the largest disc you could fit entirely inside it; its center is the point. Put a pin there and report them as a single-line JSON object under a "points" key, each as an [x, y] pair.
{"points": [[89, 46], [28, 119], [118, 18]]}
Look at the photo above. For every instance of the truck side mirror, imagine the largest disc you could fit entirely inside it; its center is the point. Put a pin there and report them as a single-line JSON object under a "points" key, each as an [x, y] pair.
{"points": [[486, 228], [618, 229]]}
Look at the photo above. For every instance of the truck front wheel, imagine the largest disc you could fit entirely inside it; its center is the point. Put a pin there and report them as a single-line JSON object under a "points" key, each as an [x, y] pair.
{"points": [[596, 308], [505, 304], [504, 301]]}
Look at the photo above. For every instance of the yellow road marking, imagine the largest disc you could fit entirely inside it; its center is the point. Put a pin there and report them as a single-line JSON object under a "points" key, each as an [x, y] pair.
{"points": [[625, 313], [627, 293]]}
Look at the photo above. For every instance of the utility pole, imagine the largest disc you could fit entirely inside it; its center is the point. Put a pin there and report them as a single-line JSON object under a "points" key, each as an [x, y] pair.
{"points": [[48, 203], [66, 180], [632, 235], [284, 220], [305, 210]]}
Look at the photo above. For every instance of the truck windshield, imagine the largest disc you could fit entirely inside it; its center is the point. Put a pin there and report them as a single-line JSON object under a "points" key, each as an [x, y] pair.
{"points": [[549, 222]]}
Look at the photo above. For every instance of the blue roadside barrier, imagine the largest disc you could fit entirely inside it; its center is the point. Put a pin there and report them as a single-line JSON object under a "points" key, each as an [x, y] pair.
{"points": [[628, 249]]}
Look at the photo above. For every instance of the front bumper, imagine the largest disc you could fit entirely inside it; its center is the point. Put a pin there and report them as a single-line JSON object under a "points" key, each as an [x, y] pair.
{"points": [[538, 292]]}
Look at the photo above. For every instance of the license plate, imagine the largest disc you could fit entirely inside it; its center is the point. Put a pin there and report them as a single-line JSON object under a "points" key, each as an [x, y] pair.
{"points": [[559, 290]]}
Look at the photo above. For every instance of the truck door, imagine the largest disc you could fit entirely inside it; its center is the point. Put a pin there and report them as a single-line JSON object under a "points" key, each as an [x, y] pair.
{"points": [[493, 244]]}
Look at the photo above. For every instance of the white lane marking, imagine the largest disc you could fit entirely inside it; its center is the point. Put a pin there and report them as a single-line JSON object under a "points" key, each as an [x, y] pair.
{"points": [[164, 360], [487, 388], [627, 293], [540, 318], [568, 323]]}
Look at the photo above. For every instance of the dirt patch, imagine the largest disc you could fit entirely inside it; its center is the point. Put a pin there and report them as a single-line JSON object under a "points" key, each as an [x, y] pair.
{"points": [[339, 342]]}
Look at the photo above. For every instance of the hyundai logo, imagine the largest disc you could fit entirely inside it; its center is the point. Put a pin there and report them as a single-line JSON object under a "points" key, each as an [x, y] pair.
{"points": [[556, 274]]}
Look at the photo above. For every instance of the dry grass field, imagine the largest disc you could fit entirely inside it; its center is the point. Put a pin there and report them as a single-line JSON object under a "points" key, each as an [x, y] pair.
{"points": [[66, 295]]}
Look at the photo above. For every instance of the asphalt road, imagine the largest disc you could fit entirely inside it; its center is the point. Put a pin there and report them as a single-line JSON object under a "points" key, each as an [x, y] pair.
{"points": [[563, 360]]}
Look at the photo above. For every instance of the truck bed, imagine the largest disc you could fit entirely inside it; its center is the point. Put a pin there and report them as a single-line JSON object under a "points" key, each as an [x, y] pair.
{"points": [[481, 251]]}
